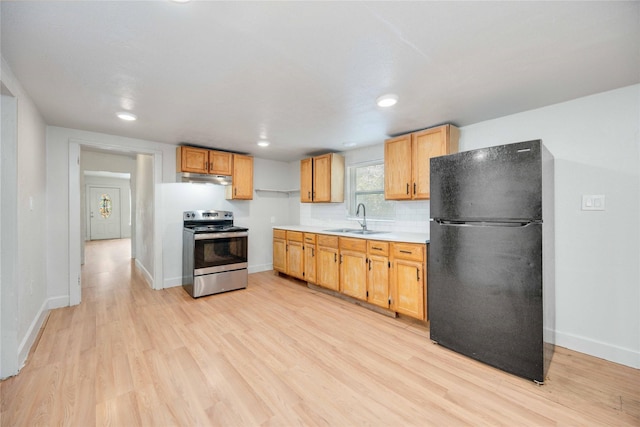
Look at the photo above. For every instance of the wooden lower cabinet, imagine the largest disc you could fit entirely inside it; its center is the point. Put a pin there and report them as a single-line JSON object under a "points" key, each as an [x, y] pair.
{"points": [[327, 262], [353, 267], [378, 273], [408, 280], [391, 275], [295, 254], [280, 251], [310, 258]]}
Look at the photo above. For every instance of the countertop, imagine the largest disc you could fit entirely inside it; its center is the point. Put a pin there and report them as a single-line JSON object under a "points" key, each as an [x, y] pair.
{"points": [[391, 236]]}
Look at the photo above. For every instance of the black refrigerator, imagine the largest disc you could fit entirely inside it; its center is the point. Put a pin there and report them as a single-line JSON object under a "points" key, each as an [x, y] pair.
{"points": [[490, 267]]}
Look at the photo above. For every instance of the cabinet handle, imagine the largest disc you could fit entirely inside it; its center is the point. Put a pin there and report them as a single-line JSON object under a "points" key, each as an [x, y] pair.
{"points": [[309, 196], [206, 165], [369, 264], [340, 258], [335, 258], [414, 188], [235, 191], [313, 252], [376, 248], [417, 275], [405, 252], [407, 188]]}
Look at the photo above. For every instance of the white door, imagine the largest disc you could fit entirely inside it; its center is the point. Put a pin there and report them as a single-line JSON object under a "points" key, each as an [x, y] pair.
{"points": [[104, 210]]}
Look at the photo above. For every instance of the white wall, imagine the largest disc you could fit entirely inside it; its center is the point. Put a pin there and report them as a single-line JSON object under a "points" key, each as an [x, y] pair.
{"points": [[30, 189], [125, 203], [258, 215], [59, 248], [107, 162], [411, 216], [596, 144], [145, 216]]}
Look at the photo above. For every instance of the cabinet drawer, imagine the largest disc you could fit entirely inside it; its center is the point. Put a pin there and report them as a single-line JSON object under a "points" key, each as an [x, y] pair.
{"points": [[408, 251], [349, 244], [309, 238], [294, 236], [375, 247], [328, 241], [279, 234]]}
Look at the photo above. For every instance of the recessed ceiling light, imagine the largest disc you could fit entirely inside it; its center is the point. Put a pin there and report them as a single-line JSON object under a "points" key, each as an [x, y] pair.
{"points": [[181, 1], [387, 100], [350, 144], [125, 115], [263, 143]]}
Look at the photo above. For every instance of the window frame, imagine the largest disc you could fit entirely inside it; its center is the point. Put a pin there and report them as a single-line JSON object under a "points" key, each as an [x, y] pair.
{"points": [[351, 191]]}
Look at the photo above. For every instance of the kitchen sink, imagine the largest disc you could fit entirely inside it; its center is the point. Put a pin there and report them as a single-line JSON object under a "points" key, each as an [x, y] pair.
{"points": [[354, 231], [367, 232]]}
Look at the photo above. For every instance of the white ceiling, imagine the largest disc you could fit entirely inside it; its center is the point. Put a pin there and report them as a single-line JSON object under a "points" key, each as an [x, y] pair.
{"points": [[306, 74]]}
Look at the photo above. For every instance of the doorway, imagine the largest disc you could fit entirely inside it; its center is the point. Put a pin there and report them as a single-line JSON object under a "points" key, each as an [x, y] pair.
{"points": [[146, 232]]}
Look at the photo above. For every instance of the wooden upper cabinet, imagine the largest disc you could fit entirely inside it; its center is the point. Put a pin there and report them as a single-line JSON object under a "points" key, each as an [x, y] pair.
{"points": [[407, 161], [220, 163], [242, 178], [397, 168], [192, 159], [201, 160], [322, 179], [306, 180]]}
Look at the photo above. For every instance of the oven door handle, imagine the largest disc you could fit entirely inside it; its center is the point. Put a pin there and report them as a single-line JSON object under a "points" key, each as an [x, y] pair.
{"points": [[210, 236]]}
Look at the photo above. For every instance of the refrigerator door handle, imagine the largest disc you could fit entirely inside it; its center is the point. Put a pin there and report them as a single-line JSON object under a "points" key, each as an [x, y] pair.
{"points": [[486, 223]]}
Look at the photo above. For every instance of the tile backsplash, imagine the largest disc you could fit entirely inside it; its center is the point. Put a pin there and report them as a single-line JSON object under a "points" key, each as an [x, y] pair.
{"points": [[411, 216]]}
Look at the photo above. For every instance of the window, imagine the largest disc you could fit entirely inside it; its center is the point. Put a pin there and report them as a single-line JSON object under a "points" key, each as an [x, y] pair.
{"points": [[366, 186]]}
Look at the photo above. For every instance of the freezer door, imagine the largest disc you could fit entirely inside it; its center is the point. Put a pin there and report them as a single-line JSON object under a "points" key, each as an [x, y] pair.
{"points": [[485, 294], [496, 183]]}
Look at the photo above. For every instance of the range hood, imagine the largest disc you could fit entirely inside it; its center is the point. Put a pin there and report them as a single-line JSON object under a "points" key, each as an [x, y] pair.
{"points": [[202, 178]]}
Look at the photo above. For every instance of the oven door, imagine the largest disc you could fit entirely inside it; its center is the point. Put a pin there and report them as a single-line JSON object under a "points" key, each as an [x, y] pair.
{"points": [[217, 252]]}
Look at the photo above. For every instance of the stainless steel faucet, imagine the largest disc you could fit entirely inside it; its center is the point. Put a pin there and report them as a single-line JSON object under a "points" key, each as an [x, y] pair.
{"points": [[363, 224]]}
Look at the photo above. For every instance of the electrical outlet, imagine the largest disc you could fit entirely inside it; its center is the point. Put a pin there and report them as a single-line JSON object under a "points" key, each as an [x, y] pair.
{"points": [[593, 202]]}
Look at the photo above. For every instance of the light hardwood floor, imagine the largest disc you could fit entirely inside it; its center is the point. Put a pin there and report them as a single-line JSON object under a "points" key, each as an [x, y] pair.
{"points": [[278, 353]]}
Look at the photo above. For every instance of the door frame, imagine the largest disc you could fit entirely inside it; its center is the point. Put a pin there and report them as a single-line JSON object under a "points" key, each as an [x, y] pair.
{"points": [[75, 232]]}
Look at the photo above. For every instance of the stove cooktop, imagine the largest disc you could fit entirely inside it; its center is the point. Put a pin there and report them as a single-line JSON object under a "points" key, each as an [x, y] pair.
{"points": [[216, 228]]}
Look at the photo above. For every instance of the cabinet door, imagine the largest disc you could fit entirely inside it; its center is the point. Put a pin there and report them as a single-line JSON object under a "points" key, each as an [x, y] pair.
{"points": [[353, 274], [409, 297], [397, 168], [279, 254], [426, 144], [328, 271], [220, 163], [295, 259], [378, 281], [242, 177], [306, 180], [192, 159], [322, 178], [310, 262]]}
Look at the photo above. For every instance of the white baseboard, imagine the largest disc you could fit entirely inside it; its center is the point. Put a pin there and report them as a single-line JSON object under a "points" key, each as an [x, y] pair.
{"points": [[145, 274], [613, 353], [32, 333], [58, 302], [172, 282], [260, 267]]}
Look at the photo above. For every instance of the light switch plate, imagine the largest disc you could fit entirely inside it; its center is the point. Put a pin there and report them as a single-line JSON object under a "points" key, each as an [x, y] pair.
{"points": [[593, 202]]}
